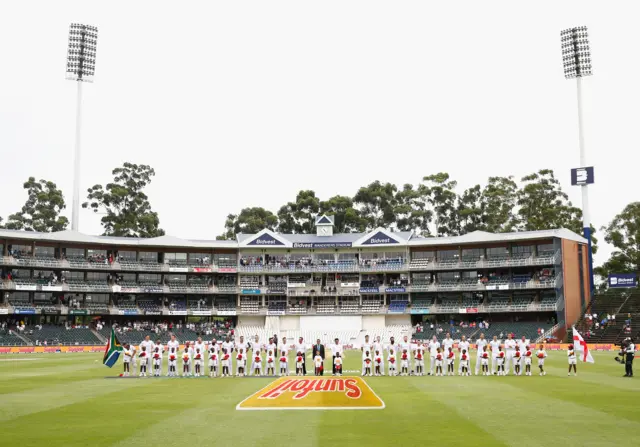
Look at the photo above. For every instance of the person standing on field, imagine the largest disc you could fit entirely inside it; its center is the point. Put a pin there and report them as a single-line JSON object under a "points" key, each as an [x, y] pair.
{"points": [[480, 344]]}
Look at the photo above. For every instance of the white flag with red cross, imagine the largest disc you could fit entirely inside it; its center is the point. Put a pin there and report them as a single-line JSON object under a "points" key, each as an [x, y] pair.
{"points": [[581, 346]]}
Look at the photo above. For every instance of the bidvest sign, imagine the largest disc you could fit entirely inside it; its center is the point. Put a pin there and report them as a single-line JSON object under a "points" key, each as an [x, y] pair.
{"points": [[380, 239], [265, 239]]}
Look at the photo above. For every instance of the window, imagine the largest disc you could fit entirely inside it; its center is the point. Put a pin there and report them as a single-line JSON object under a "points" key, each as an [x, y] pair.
{"points": [[497, 252], [74, 252], [472, 253], [149, 256], [545, 249], [97, 276], [521, 251], [175, 258], [45, 252], [128, 255], [448, 255], [430, 255]]}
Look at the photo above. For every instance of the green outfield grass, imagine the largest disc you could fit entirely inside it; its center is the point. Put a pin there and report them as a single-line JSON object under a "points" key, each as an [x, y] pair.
{"points": [[65, 400]]}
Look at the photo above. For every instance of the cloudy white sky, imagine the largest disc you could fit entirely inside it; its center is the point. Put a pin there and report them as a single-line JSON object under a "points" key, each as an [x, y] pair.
{"points": [[239, 104]]}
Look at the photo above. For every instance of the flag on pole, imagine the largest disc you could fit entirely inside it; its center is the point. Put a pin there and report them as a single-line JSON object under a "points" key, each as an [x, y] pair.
{"points": [[113, 350], [581, 346]]}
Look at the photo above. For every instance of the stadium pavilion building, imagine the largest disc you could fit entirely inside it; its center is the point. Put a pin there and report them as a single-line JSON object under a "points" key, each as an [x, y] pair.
{"points": [[361, 281]]}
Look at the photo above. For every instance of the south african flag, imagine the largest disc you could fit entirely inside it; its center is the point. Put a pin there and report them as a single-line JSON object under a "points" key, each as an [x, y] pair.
{"points": [[113, 350]]}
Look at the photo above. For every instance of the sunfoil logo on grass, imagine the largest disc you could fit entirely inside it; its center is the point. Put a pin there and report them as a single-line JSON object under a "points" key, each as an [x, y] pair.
{"points": [[314, 393]]}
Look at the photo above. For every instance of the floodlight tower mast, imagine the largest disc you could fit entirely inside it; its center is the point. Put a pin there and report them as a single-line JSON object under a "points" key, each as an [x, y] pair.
{"points": [[81, 64], [576, 58]]}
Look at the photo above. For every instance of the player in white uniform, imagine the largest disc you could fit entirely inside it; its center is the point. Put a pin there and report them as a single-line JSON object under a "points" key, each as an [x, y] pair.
{"points": [[393, 346], [484, 359], [241, 362], [337, 349], [541, 354], [391, 357], [283, 352], [451, 359], [366, 347], [172, 356], [571, 356], [173, 346], [434, 344], [198, 358], [213, 354], [256, 351], [145, 361], [225, 362], [527, 361], [243, 346], [272, 346], [301, 348], [256, 366], [495, 348], [522, 343], [439, 360], [126, 360], [447, 343], [186, 361], [420, 352], [157, 360], [379, 347], [480, 344], [271, 362], [405, 344], [517, 361], [510, 349], [463, 345]]}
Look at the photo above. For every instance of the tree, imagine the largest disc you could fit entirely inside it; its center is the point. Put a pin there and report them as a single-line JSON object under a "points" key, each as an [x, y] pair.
{"points": [[411, 212], [471, 210], [41, 211], [441, 197], [499, 197], [299, 216], [346, 219], [376, 203], [249, 221], [542, 205], [623, 232], [126, 208]]}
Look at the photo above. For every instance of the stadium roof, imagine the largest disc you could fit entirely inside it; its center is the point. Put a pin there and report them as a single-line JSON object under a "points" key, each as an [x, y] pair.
{"points": [[378, 237], [479, 237]]}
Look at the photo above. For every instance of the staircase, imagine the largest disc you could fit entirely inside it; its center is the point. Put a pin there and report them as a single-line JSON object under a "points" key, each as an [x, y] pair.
{"points": [[99, 336], [23, 338]]}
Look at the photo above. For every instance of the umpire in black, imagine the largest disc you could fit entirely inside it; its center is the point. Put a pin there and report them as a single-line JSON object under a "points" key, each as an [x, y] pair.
{"points": [[629, 354]]}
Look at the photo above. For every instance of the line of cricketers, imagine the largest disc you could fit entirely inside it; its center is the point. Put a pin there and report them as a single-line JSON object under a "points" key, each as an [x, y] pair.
{"points": [[403, 358]]}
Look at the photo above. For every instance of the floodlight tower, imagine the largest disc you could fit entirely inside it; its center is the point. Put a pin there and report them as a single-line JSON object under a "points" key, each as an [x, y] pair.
{"points": [[81, 65], [576, 58]]}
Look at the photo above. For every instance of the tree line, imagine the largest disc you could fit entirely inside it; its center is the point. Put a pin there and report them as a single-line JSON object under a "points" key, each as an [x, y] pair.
{"points": [[434, 207]]}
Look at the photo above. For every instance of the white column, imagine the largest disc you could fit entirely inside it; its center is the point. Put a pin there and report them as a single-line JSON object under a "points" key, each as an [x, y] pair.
{"points": [[75, 210]]}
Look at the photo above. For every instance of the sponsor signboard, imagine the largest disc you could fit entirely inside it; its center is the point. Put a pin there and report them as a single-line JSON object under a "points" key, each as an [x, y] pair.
{"points": [[203, 269], [201, 312], [227, 313], [380, 239], [4, 311], [582, 176], [51, 288], [620, 280], [462, 311], [369, 290], [349, 284], [128, 312], [152, 312], [419, 311], [275, 312], [24, 311], [265, 240], [26, 287], [250, 291], [322, 244], [472, 310], [177, 312], [314, 393], [179, 269], [227, 270], [292, 285], [78, 312], [395, 290]]}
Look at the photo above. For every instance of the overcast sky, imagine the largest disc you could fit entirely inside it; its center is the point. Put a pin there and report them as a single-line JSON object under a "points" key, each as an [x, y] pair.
{"points": [[240, 104]]}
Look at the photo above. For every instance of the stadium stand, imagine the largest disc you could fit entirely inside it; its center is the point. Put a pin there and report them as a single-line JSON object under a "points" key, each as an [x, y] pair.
{"points": [[61, 335]]}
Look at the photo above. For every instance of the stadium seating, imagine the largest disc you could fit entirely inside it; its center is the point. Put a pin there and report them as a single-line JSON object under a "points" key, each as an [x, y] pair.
{"points": [[225, 305], [419, 263], [249, 281], [7, 339], [149, 305], [250, 305], [59, 335], [399, 306], [349, 306], [528, 329], [422, 304], [371, 306], [326, 306], [277, 307], [297, 309]]}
